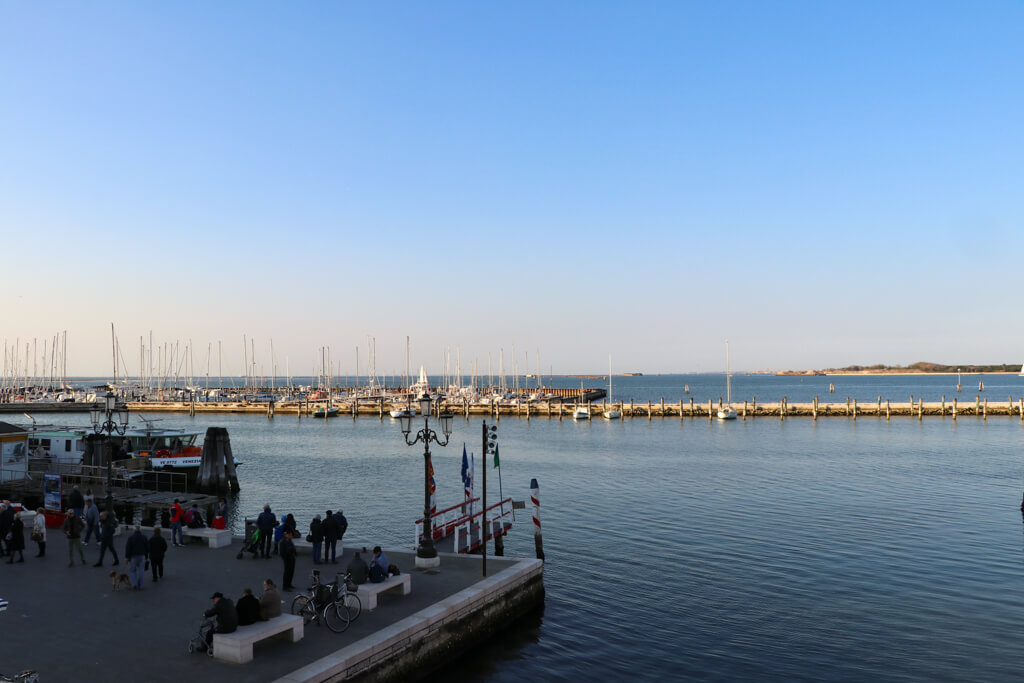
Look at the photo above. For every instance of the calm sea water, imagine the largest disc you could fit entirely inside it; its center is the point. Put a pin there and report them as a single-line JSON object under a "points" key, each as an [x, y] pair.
{"points": [[751, 550]]}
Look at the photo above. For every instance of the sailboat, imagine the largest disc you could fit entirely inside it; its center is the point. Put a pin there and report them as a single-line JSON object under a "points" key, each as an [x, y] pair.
{"points": [[727, 412], [407, 411], [581, 412], [612, 413]]}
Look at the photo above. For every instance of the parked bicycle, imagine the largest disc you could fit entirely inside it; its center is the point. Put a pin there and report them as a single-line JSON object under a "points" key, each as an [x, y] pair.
{"points": [[310, 605], [345, 606]]}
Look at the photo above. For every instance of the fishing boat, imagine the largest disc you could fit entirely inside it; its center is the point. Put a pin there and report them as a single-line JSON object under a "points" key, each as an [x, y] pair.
{"points": [[612, 413], [325, 412], [727, 412]]}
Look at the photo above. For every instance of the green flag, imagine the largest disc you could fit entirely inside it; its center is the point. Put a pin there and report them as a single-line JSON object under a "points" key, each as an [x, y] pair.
{"points": [[496, 463]]}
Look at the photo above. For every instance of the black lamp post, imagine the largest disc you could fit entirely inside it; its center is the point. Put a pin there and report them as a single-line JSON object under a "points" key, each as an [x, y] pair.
{"points": [[109, 425], [426, 554]]}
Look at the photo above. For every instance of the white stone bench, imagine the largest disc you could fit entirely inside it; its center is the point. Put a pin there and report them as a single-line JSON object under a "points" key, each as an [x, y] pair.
{"points": [[237, 647], [215, 538], [368, 592]]}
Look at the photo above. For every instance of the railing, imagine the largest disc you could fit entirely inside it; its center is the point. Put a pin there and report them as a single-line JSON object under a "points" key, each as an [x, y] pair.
{"points": [[455, 520]]}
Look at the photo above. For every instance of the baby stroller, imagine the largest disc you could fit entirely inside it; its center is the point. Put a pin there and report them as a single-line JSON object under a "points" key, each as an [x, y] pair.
{"points": [[198, 643], [252, 541]]}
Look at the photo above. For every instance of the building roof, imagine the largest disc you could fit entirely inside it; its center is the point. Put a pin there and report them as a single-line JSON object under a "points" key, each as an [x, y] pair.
{"points": [[6, 428]]}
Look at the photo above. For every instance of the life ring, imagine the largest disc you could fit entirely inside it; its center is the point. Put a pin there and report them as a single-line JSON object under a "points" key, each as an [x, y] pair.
{"points": [[163, 453]]}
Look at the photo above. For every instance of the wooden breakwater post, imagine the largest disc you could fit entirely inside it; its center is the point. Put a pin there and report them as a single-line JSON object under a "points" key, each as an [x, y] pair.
{"points": [[977, 405], [691, 408], [920, 409], [649, 414], [886, 410], [744, 409], [942, 407], [878, 410], [854, 409], [663, 406], [217, 468], [710, 411], [954, 408], [984, 410], [814, 408], [753, 406], [847, 406]]}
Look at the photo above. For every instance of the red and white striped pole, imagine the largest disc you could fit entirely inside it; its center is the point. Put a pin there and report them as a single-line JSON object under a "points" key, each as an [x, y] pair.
{"points": [[538, 538]]}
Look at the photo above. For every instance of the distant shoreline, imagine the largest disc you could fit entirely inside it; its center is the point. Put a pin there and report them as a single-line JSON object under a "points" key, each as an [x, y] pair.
{"points": [[853, 373]]}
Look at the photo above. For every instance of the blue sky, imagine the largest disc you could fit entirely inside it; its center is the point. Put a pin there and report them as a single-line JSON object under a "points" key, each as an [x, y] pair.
{"points": [[820, 183]]}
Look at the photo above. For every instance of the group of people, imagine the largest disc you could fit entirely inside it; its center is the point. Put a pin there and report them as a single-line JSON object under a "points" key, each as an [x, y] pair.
{"points": [[192, 518], [328, 534], [225, 616]]}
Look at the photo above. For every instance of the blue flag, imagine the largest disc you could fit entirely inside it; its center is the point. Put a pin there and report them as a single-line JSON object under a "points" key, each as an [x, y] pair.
{"points": [[465, 467]]}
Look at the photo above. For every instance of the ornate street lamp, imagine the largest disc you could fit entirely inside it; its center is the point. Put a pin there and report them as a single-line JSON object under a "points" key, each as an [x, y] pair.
{"points": [[114, 419], [426, 554]]}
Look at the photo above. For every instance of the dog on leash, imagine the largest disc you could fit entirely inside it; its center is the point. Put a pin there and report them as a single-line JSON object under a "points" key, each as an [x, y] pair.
{"points": [[119, 581]]}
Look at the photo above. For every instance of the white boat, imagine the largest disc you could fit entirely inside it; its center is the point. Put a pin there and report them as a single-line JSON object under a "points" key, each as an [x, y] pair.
{"points": [[581, 412], [612, 413], [727, 412]]}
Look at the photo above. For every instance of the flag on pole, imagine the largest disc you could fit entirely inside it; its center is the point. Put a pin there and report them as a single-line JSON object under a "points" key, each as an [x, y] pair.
{"points": [[496, 463], [465, 474], [433, 490]]}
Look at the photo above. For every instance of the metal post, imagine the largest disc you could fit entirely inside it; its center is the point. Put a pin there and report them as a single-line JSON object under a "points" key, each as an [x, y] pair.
{"points": [[483, 499]]}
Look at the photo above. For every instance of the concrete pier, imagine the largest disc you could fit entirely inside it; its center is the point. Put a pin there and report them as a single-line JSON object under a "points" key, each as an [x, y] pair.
{"points": [[67, 622]]}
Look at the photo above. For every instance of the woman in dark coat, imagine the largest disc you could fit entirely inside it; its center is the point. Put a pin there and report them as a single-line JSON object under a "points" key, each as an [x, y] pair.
{"points": [[17, 543]]}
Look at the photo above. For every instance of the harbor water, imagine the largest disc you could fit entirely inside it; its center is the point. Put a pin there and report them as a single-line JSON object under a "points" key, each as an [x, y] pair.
{"points": [[757, 549]]}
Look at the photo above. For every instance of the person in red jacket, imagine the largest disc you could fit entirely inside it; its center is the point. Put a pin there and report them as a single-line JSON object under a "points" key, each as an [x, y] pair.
{"points": [[219, 522], [177, 517]]}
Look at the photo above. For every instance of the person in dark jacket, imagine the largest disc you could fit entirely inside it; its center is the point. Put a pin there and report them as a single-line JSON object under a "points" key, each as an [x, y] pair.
{"points": [[266, 523], [136, 551], [6, 519], [73, 526], [157, 550], [17, 542], [270, 601], [359, 570], [108, 524], [77, 501], [316, 534], [224, 611], [248, 608], [288, 556], [331, 533], [342, 528]]}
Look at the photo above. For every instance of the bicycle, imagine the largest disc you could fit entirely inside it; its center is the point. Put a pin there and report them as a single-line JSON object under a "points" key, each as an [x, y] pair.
{"points": [[26, 676], [345, 607], [310, 605]]}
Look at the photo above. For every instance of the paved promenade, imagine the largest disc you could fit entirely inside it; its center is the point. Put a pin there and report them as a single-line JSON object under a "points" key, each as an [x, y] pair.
{"points": [[68, 624]]}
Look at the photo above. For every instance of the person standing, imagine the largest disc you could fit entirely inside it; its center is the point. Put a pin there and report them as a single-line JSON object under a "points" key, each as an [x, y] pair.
{"points": [[157, 549], [17, 543], [266, 523], [77, 501], [108, 524], [92, 521], [342, 528], [316, 537], [288, 556], [6, 519], [177, 517], [39, 531], [330, 527], [136, 550], [73, 531]]}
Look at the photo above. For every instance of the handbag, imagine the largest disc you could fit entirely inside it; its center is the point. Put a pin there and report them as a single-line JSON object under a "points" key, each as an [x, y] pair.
{"points": [[309, 538], [37, 536]]}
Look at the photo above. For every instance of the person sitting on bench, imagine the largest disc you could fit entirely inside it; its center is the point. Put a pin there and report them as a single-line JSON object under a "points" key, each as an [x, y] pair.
{"points": [[224, 611]]}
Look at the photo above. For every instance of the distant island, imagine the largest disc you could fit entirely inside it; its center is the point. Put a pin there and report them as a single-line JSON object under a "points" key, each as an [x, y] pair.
{"points": [[912, 369]]}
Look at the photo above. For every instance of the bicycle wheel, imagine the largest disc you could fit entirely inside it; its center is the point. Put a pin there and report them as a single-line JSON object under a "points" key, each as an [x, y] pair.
{"points": [[337, 617], [304, 607], [354, 605]]}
